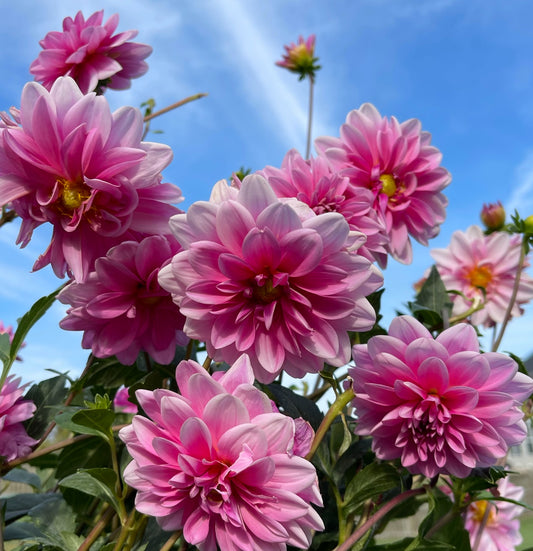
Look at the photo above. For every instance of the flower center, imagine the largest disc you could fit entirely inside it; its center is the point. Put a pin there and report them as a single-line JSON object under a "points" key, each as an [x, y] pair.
{"points": [[73, 194], [479, 510], [264, 289], [388, 184], [480, 276]]}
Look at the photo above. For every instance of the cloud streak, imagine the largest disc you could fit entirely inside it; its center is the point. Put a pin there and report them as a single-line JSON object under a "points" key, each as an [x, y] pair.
{"points": [[521, 197]]}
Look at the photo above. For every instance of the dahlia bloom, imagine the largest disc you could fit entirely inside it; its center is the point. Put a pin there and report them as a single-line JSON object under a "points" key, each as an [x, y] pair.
{"points": [[399, 166], [300, 58], [73, 163], [493, 216], [121, 401], [313, 182], [501, 527], [232, 479], [88, 52], [121, 307], [14, 440], [438, 404], [255, 278], [483, 268]]}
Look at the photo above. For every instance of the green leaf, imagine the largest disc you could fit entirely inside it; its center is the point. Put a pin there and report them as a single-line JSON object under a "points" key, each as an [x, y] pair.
{"points": [[5, 345], [45, 395], [96, 422], [85, 454], [100, 483], [419, 544], [22, 504], [373, 480], [22, 476]]}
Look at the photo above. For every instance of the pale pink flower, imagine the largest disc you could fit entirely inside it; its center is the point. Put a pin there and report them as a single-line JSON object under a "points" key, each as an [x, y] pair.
{"points": [[231, 479], [300, 58], [88, 52], [437, 404], [83, 169], [501, 527], [254, 278], [493, 216], [14, 440], [121, 307], [314, 183], [121, 401], [483, 268], [399, 166]]}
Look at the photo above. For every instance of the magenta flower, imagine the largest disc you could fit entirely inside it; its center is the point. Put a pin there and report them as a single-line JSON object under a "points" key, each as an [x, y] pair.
{"points": [[255, 278], [438, 404], [312, 182], [483, 268], [121, 402], [73, 163], [14, 440], [232, 479], [300, 58], [121, 307], [88, 52], [399, 166]]}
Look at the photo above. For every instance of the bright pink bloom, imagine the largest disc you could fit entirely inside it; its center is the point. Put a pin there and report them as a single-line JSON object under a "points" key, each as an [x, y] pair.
{"points": [[80, 167], [121, 401], [313, 182], [255, 278], [438, 404], [121, 307], [300, 58], [501, 527], [399, 166], [483, 268], [88, 52], [14, 440], [230, 479]]}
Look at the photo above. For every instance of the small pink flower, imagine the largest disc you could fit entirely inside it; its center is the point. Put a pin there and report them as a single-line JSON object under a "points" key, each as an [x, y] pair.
{"points": [[300, 58], [121, 307], [483, 268], [14, 440], [9, 331], [76, 165], [121, 401], [312, 182], [437, 404], [501, 527], [399, 166], [88, 52], [231, 480], [254, 278], [493, 216]]}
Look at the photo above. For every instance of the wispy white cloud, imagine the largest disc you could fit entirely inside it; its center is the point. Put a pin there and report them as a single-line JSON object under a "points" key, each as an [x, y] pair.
{"points": [[521, 197]]}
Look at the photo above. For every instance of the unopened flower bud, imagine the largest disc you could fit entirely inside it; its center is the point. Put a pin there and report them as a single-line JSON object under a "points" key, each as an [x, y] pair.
{"points": [[299, 58], [493, 216], [528, 224]]}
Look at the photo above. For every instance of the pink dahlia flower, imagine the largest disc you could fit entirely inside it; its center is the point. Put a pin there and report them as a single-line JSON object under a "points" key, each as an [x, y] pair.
{"points": [[121, 401], [312, 182], [14, 440], [501, 527], [232, 479], [399, 166], [483, 268], [300, 58], [254, 278], [73, 163], [88, 52], [121, 307], [438, 404]]}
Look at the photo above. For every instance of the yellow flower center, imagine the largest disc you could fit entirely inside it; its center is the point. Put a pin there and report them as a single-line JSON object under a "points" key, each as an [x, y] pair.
{"points": [[480, 276], [266, 292], [388, 184], [300, 54], [479, 510], [73, 194]]}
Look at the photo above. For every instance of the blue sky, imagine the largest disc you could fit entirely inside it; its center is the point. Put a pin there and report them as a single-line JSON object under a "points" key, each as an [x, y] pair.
{"points": [[462, 67]]}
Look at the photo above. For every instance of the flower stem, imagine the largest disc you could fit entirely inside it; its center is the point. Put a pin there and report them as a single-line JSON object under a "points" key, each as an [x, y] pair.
{"points": [[171, 541], [174, 106], [92, 536], [360, 532], [514, 294], [310, 116], [336, 408]]}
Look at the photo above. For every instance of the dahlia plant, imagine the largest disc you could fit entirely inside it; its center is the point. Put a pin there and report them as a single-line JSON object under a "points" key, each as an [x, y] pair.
{"points": [[184, 430]]}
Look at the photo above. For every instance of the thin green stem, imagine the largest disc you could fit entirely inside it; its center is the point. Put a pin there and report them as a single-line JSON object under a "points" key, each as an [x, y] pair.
{"points": [[310, 116], [98, 528], [171, 541], [336, 409], [376, 517], [174, 106], [514, 294]]}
